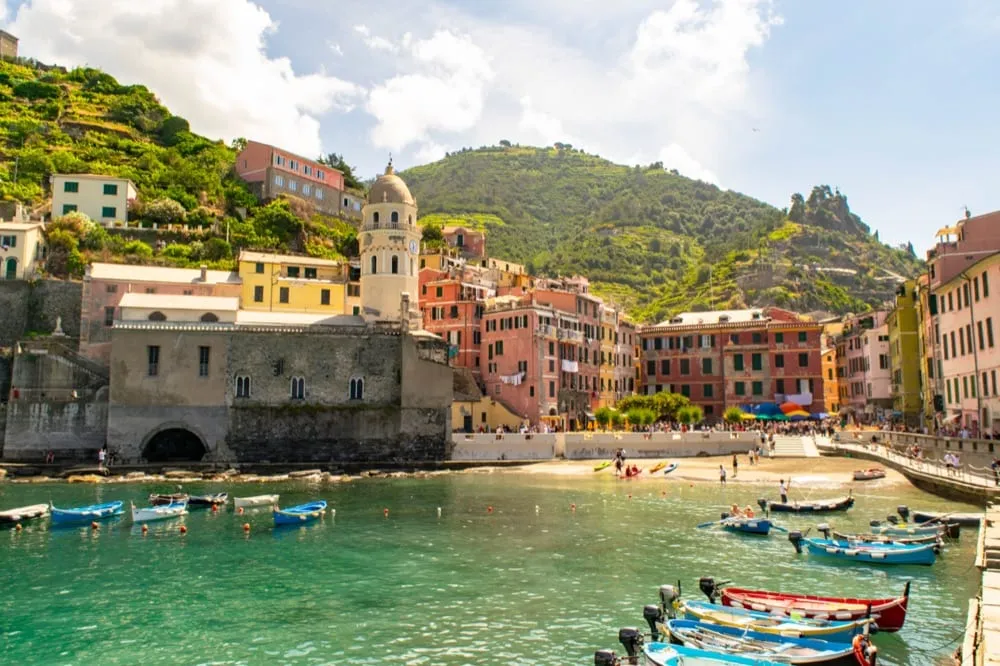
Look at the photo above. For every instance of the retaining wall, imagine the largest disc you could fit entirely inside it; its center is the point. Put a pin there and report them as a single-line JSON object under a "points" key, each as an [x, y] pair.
{"points": [[505, 447], [33, 307], [975, 452]]}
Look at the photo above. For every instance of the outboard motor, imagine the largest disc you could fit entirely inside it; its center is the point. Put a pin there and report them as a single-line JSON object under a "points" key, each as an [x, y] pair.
{"points": [[653, 615], [605, 658], [796, 538], [762, 503], [892, 519], [824, 528], [707, 585], [631, 639], [954, 530], [904, 512], [668, 595], [724, 515]]}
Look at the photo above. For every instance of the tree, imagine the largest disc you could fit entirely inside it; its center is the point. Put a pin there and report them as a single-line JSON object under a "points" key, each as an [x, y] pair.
{"points": [[733, 415], [276, 220], [431, 232], [64, 258], [171, 127], [797, 212], [217, 249], [337, 162], [666, 405], [164, 211], [603, 417], [690, 415], [616, 419]]}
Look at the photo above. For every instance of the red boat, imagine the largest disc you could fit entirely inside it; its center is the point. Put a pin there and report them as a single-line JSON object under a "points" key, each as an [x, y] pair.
{"points": [[889, 614]]}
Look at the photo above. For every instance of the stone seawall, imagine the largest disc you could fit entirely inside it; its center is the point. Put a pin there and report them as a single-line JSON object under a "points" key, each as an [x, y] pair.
{"points": [[3, 427], [598, 446], [33, 307], [72, 430], [975, 452]]}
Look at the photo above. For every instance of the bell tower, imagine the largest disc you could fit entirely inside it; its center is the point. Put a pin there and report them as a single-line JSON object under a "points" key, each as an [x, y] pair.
{"points": [[390, 249]]}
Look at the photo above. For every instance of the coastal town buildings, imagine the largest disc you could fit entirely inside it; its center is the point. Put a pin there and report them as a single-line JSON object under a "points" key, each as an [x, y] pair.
{"points": [[104, 199], [831, 387], [470, 243], [905, 356], [8, 46], [732, 358], [286, 283], [271, 172], [452, 303], [931, 386], [22, 249], [864, 365]]}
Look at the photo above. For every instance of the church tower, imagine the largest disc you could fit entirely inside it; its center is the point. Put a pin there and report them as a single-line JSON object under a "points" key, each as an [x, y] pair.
{"points": [[390, 248]]}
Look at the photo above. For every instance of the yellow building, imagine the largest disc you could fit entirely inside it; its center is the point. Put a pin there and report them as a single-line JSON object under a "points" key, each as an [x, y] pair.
{"points": [[287, 283], [926, 304], [904, 350], [831, 387], [22, 249]]}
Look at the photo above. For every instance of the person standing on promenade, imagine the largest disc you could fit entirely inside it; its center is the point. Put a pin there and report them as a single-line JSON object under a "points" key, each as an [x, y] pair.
{"points": [[722, 475], [995, 466], [735, 466]]}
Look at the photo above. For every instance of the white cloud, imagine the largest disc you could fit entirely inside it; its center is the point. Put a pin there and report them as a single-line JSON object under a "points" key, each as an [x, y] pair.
{"points": [[445, 92], [335, 48], [541, 125], [675, 157], [375, 42], [429, 152], [205, 59]]}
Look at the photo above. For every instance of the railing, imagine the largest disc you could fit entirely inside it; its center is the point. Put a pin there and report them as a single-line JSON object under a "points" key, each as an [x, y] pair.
{"points": [[970, 474]]}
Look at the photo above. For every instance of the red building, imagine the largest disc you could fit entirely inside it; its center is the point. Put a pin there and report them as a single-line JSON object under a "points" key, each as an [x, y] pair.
{"points": [[271, 171], [731, 358], [452, 305]]}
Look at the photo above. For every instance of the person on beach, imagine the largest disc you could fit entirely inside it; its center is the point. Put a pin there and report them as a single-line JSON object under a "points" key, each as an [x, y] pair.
{"points": [[722, 475], [618, 462], [735, 466], [783, 490], [101, 455]]}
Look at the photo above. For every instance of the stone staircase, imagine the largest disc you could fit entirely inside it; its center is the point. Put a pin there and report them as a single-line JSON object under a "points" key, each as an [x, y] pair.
{"points": [[795, 447]]}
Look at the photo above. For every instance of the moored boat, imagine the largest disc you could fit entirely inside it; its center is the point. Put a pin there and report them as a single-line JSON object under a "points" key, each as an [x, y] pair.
{"points": [[879, 538], [732, 640], [214, 499], [812, 506], [157, 499], [602, 465], [869, 474], [664, 654], [303, 513], [872, 553], [255, 500], [963, 519], [747, 525], [86, 514], [897, 529], [889, 613], [23, 513], [148, 514], [669, 468], [657, 467]]}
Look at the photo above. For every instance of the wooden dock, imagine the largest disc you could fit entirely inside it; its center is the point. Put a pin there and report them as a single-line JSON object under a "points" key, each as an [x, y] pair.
{"points": [[981, 646]]}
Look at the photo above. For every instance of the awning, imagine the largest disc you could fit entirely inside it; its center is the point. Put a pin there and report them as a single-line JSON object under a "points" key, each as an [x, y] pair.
{"points": [[946, 231], [953, 417]]}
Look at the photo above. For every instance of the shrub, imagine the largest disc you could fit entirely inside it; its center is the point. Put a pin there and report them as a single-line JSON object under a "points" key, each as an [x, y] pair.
{"points": [[603, 416], [36, 90], [165, 211], [137, 249], [177, 251], [733, 415], [216, 249], [690, 415]]}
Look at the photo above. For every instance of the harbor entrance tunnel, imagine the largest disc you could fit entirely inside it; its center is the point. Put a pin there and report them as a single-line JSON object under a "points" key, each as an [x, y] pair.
{"points": [[174, 445]]}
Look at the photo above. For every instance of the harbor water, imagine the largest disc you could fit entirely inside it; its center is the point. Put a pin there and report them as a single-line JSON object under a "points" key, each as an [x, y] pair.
{"points": [[532, 581]]}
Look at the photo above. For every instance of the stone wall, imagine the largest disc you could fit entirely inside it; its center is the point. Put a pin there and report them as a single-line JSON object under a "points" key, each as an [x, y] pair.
{"points": [[6, 370], [3, 427], [504, 447], [74, 430], [131, 427], [975, 452], [29, 307]]}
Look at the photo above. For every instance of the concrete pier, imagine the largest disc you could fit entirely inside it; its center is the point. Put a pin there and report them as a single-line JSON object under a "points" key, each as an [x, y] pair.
{"points": [[981, 646]]}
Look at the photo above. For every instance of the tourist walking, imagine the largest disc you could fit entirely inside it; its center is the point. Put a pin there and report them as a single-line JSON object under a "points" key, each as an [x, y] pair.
{"points": [[722, 475], [783, 490], [735, 466], [995, 466]]}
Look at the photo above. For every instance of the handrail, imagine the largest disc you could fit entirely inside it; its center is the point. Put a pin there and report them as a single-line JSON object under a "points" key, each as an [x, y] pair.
{"points": [[962, 473]]}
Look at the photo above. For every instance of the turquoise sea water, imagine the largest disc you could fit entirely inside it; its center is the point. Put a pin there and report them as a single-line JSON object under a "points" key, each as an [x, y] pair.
{"points": [[514, 586]]}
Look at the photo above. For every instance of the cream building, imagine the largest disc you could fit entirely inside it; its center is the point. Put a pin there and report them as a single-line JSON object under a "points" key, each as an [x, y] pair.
{"points": [[22, 250], [390, 248], [289, 283], [104, 199]]}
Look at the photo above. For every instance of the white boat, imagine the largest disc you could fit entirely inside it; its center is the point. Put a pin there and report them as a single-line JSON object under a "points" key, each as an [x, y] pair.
{"points": [[256, 500], [23, 513], [159, 512]]}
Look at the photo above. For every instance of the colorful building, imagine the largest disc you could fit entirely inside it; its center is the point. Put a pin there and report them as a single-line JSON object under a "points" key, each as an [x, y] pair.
{"points": [[932, 388], [831, 387], [864, 359], [104, 199], [22, 249], [469, 242], [289, 283], [452, 304], [617, 347], [905, 356], [733, 358]]}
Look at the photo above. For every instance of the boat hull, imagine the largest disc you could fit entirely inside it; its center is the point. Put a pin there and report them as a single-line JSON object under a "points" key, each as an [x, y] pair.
{"points": [[731, 640], [86, 514], [217, 499], [964, 519], [876, 553], [657, 467], [604, 465], [157, 499], [256, 500], [869, 474], [828, 630], [23, 513], [301, 514], [161, 512], [889, 613], [760, 526], [671, 467], [664, 654], [911, 532], [817, 506]]}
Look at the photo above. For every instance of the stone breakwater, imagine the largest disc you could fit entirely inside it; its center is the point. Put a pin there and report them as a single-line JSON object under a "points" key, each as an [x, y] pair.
{"points": [[228, 476]]}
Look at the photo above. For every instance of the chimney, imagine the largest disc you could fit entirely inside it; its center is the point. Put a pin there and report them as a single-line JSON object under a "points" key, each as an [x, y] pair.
{"points": [[204, 273]]}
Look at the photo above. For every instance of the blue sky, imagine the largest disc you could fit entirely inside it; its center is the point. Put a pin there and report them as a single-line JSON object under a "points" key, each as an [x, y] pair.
{"points": [[894, 102]]}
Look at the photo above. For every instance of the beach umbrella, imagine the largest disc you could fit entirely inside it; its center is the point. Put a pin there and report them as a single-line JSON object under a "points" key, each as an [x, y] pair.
{"points": [[768, 408], [801, 413], [789, 407], [798, 417], [779, 417], [748, 417]]}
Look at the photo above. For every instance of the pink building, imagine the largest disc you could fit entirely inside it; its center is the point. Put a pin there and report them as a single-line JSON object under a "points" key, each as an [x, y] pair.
{"points": [[965, 329], [104, 285], [271, 172], [963, 245], [865, 370], [469, 242]]}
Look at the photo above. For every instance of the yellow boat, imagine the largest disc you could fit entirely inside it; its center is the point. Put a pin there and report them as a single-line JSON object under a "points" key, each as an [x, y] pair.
{"points": [[657, 467]]}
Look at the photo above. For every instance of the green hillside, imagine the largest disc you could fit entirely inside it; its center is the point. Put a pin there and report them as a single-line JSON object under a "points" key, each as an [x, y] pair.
{"points": [[54, 120], [655, 241]]}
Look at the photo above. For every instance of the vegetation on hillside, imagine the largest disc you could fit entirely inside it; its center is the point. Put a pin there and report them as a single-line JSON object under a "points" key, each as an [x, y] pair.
{"points": [[654, 241]]}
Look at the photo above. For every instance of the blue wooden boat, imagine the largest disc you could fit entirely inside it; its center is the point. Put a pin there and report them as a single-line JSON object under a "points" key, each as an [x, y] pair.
{"points": [[747, 525], [731, 640], [86, 514], [301, 514], [867, 553], [664, 654]]}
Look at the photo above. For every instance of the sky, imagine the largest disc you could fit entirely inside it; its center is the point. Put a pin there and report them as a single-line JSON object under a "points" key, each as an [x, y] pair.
{"points": [[896, 102]]}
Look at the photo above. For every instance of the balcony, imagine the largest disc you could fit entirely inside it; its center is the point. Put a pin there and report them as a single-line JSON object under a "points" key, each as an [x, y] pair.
{"points": [[567, 335]]}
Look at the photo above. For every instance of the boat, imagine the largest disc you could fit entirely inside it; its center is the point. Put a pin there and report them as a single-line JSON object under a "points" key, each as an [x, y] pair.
{"points": [[879, 538], [86, 514], [255, 500], [23, 513], [657, 467], [626, 474], [812, 506], [297, 515], [148, 514], [872, 553], [889, 613], [963, 519], [664, 654], [215, 499], [897, 529], [745, 525], [157, 499], [731, 640], [869, 474], [671, 467], [826, 629], [604, 465]]}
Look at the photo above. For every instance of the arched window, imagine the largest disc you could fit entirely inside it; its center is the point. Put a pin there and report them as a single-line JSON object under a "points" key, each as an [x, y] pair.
{"points": [[242, 386], [298, 388], [357, 388], [395, 217], [375, 219], [374, 265], [157, 316], [209, 317], [410, 220], [395, 264], [411, 267]]}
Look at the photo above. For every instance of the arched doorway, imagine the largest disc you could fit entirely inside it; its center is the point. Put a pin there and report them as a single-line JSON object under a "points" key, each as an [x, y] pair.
{"points": [[10, 273], [174, 445]]}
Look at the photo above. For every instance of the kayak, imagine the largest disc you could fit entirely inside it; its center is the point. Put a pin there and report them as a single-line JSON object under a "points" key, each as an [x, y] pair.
{"points": [[671, 467], [657, 467], [625, 475], [604, 465]]}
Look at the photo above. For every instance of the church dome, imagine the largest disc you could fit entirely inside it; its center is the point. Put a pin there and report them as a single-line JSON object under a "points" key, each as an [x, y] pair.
{"points": [[390, 188]]}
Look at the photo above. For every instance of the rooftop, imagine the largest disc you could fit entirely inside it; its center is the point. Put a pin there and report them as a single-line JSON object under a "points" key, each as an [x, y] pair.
{"points": [[170, 302], [252, 317], [716, 317], [296, 156], [299, 260], [19, 226], [92, 176], [162, 274]]}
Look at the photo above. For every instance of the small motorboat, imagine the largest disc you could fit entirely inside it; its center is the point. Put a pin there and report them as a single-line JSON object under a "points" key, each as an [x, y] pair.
{"points": [[601, 466], [812, 506], [747, 525], [672, 607], [731, 640], [216, 499], [963, 519], [889, 613], [149, 514], [871, 553], [869, 474], [298, 515], [669, 468], [894, 528], [952, 528], [255, 500], [879, 538], [157, 499], [23, 513], [657, 467], [86, 514], [664, 654]]}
